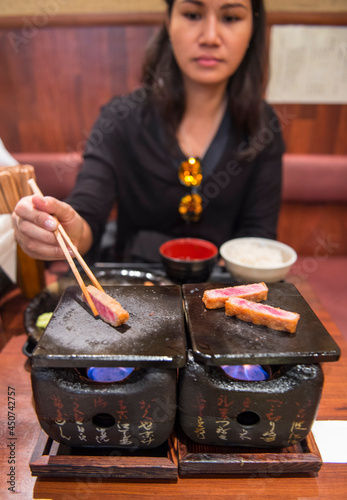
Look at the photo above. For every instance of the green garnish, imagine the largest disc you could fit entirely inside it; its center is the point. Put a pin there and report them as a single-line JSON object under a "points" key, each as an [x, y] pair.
{"points": [[43, 320]]}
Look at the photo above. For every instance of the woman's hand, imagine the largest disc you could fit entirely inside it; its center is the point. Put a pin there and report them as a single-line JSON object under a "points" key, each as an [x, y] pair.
{"points": [[34, 227]]}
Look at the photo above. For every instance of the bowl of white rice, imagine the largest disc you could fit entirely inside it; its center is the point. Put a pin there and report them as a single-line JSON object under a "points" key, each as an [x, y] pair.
{"points": [[251, 260]]}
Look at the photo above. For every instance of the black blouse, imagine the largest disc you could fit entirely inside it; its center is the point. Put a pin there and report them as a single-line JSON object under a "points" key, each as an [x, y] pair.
{"points": [[127, 160]]}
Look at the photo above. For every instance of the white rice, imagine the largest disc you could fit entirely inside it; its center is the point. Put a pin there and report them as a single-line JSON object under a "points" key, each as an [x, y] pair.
{"points": [[255, 254]]}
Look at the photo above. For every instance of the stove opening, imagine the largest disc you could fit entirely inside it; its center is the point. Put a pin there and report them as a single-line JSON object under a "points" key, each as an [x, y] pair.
{"points": [[103, 420], [248, 418], [106, 374], [247, 372]]}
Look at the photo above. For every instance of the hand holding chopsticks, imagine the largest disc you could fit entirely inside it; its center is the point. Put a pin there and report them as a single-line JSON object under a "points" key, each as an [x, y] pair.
{"points": [[63, 237]]}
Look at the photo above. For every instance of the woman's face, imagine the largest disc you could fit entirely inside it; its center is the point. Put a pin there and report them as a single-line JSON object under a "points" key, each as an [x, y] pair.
{"points": [[210, 37]]}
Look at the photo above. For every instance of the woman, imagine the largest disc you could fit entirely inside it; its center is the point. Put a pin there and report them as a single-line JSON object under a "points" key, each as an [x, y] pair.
{"points": [[201, 102]]}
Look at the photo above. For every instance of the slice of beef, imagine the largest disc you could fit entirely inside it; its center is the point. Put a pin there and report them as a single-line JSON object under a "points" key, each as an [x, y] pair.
{"points": [[108, 308], [213, 299], [262, 314]]}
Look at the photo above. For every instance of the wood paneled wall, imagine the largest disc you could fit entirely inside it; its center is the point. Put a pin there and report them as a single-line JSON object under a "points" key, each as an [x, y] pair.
{"points": [[54, 79], [55, 83], [314, 129]]}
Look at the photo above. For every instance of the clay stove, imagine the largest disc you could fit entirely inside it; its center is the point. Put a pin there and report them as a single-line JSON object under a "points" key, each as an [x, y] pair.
{"points": [[134, 407], [220, 404]]}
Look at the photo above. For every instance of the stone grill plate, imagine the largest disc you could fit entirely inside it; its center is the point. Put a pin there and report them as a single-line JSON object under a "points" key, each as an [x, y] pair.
{"points": [[153, 336], [218, 339]]}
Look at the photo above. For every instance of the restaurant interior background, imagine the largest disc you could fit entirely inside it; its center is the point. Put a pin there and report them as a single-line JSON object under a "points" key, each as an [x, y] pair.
{"points": [[62, 59], [22, 7]]}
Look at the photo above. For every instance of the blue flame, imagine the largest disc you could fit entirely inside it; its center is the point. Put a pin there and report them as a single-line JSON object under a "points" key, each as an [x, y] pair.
{"points": [[104, 374], [246, 372]]}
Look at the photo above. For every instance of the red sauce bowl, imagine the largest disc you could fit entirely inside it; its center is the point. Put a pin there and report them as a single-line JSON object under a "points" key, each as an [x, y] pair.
{"points": [[188, 260]]}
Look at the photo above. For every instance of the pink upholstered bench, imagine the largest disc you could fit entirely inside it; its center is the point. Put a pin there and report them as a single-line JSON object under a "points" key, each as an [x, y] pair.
{"points": [[314, 208], [315, 178], [55, 172], [314, 218]]}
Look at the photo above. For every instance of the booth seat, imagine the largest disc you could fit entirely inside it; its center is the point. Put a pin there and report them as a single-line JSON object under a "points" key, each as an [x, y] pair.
{"points": [[313, 217], [313, 220], [314, 208], [315, 178], [55, 172]]}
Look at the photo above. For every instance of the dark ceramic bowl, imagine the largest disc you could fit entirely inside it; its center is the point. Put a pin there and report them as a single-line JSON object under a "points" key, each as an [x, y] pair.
{"points": [[188, 260]]}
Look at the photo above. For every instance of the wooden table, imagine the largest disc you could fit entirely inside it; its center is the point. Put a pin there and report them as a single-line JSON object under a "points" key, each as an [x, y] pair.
{"points": [[329, 483]]}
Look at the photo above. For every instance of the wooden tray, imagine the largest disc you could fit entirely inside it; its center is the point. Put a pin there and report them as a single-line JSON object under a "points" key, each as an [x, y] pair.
{"points": [[177, 456], [196, 460], [51, 459]]}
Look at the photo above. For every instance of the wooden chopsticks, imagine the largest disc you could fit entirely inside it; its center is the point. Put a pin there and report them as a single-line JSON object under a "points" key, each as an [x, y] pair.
{"points": [[62, 237], [14, 185]]}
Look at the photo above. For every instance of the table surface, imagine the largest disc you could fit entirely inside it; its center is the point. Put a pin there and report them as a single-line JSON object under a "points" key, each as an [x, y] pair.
{"points": [[330, 482]]}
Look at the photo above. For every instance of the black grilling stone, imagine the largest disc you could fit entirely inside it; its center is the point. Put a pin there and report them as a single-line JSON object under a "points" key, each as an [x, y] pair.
{"points": [[138, 413], [215, 410], [218, 339], [153, 335]]}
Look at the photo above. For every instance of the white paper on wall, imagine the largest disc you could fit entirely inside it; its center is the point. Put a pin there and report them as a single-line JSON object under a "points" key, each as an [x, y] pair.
{"points": [[308, 64]]}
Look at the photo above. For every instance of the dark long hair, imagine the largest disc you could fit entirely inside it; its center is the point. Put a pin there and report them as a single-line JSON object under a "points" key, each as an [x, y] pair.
{"points": [[162, 75]]}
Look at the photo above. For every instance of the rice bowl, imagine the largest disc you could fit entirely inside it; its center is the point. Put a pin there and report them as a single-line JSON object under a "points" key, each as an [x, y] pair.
{"points": [[257, 259]]}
